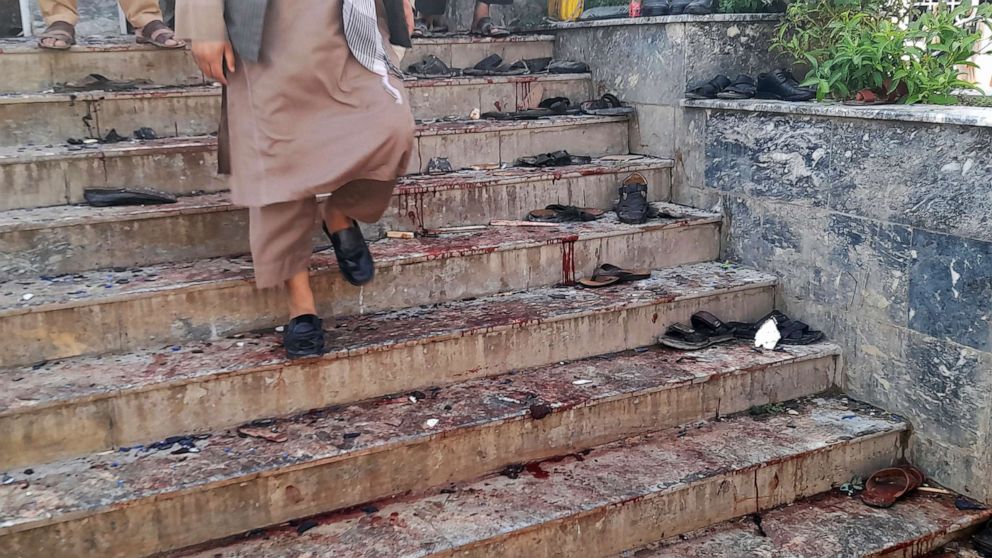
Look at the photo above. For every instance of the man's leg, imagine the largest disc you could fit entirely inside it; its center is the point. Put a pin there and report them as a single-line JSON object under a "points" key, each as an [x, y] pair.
{"points": [[141, 13], [61, 17], [59, 10]]}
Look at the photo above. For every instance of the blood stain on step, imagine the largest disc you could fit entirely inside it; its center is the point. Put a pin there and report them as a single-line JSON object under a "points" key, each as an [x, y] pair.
{"points": [[568, 262], [536, 470]]}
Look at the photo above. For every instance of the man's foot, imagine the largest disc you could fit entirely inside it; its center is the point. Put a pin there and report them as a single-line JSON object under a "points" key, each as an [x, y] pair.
{"points": [[58, 36], [304, 336], [157, 33], [353, 254], [485, 27]]}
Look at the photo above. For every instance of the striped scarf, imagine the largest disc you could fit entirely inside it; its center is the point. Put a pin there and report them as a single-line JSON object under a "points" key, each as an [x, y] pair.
{"points": [[361, 30]]}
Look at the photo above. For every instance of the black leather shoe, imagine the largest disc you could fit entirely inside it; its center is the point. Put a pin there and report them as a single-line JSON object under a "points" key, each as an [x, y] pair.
{"points": [[304, 336], [782, 86], [653, 8], [700, 7], [353, 254]]}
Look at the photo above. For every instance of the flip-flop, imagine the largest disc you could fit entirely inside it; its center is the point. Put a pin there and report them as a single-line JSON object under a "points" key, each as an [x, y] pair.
{"points": [[431, 67], [157, 33], [557, 213], [58, 31], [106, 197], [609, 274], [607, 105], [883, 488], [98, 82]]}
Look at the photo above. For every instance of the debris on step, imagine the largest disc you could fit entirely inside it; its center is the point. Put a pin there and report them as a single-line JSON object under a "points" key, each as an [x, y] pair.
{"points": [[265, 429], [401, 235], [145, 133]]}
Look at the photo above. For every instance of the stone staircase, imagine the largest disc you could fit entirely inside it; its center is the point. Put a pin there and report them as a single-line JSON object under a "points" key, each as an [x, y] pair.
{"points": [[474, 403]]}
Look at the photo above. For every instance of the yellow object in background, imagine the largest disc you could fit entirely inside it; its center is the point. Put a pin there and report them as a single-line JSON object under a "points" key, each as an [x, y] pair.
{"points": [[565, 10]]}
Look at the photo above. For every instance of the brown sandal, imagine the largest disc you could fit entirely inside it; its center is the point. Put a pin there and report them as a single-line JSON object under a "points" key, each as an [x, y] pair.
{"points": [[157, 33], [883, 488], [58, 31]]}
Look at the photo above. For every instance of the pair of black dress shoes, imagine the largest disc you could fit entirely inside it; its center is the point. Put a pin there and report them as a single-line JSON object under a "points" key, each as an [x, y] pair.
{"points": [[304, 335], [779, 85]]}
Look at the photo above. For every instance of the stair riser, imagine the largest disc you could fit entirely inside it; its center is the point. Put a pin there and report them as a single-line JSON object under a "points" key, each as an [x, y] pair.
{"points": [[58, 181], [435, 101], [224, 231], [197, 112], [467, 54], [203, 312], [456, 456], [607, 531], [130, 417], [32, 71]]}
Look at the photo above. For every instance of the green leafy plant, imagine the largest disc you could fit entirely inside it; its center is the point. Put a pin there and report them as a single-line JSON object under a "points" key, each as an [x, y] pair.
{"points": [[883, 45]]}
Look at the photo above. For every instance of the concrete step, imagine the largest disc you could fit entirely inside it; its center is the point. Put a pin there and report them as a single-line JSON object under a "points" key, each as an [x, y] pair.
{"points": [[84, 404], [830, 526], [340, 457], [615, 497], [28, 70], [119, 310], [57, 175], [69, 239], [49, 118]]}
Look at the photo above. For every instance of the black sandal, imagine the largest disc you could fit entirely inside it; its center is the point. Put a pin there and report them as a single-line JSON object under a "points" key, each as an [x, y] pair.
{"points": [[557, 213], [795, 332], [555, 159], [486, 28], [707, 89], [632, 207], [304, 336], [706, 330], [430, 67]]}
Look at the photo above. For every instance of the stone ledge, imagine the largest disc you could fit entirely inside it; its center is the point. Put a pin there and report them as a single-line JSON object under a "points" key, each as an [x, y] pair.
{"points": [[932, 114], [714, 18]]}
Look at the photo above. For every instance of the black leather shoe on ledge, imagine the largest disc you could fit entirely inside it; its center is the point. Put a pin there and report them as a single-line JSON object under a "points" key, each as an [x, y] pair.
{"points": [[781, 85], [304, 336], [353, 254]]}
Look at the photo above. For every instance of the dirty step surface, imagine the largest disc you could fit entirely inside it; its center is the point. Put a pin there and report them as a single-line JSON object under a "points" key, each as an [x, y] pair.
{"points": [[42, 118], [56, 174], [831, 525], [580, 506], [73, 238], [181, 301], [27, 69], [79, 405], [412, 441]]}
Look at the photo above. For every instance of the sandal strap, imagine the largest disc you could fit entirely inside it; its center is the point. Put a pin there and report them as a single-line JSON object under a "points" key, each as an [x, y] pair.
{"points": [[59, 30]]}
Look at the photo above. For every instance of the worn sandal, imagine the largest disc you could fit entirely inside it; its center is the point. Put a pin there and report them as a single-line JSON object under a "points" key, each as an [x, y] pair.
{"points": [[795, 332], [607, 105], [157, 33], [711, 326], [107, 197], [420, 29], [609, 274], [430, 67], [632, 207], [58, 31], [557, 213], [487, 28], [886, 486], [555, 159]]}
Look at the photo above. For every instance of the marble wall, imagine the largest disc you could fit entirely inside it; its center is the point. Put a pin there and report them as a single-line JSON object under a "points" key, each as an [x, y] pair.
{"points": [[880, 231], [647, 62]]}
